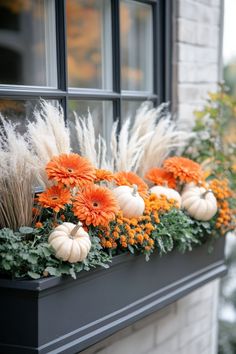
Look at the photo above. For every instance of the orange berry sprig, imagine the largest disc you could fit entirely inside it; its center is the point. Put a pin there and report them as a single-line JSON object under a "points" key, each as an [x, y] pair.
{"points": [[222, 193]]}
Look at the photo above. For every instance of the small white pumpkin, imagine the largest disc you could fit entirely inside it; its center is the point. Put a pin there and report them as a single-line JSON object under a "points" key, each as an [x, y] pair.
{"points": [[199, 202], [129, 201], [168, 192], [188, 185], [70, 242]]}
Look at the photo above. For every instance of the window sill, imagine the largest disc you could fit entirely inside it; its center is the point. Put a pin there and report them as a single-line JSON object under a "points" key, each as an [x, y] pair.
{"points": [[66, 315]]}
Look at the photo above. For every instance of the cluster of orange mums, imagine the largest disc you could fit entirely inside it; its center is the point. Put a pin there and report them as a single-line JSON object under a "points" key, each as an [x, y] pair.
{"points": [[74, 181], [222, 192], [136, 232]]}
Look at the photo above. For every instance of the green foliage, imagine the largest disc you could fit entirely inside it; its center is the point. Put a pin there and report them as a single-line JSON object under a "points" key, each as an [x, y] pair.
{"points": [[230, 77], [214, 145], [178, 230], [227, 338], [27, 254]]}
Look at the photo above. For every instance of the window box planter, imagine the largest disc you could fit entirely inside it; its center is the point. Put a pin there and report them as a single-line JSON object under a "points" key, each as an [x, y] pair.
{"points": [[62, 315]]}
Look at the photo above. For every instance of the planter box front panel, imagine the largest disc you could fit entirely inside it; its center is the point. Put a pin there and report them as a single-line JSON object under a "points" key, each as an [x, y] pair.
{"points": [[66, 315]]}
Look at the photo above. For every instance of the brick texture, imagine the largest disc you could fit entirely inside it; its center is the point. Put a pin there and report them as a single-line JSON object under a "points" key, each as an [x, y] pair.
{"points": [[185, 327], [197, 52]]}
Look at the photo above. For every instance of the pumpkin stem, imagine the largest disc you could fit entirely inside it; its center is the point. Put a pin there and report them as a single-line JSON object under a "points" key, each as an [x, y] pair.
{"points": [[205, 193], [75, 229], [135, 190]]}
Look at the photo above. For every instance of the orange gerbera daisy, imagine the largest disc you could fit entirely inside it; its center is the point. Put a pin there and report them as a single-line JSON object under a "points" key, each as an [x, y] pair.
{"points": [[161, 176], [123, 178], [55, 198], [70, 170], [95, 205], [185, 169], [104, 175]]}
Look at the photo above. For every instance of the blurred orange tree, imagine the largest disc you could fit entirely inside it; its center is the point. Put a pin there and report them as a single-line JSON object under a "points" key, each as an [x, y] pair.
{"points": [[214, 144]]}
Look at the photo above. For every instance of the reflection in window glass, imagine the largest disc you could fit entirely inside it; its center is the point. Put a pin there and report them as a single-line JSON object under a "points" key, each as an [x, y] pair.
{"points": [[18, 111], [89, 43], [101, 112], [129, 109], [136, 46], [27, 43]]}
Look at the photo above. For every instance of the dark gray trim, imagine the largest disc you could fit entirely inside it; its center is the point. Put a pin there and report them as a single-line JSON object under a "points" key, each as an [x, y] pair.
{"points": [[162, 25], [62, 315], [62, 50], [168, 49], [164, 47]]}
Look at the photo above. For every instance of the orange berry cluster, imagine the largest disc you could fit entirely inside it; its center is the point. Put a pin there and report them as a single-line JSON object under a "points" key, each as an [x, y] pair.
{"points": [[136, 232], [222, 192]]}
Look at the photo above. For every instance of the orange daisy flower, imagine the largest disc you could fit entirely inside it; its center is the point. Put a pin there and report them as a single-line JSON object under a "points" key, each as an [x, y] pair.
{"points": [[95, 205], [160, 176], [123, 178], [103, 175], [70, 170], [55, 198], [185, 169]]}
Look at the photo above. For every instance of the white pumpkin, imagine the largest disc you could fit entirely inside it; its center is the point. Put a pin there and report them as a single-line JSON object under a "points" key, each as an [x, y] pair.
{"points": [[70, 242], [188, 185], [129, 200], [199, 202], [168, 192]]}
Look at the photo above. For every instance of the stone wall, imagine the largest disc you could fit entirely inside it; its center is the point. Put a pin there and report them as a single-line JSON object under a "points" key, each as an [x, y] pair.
{"points": [[188, 326], [197, 53]]}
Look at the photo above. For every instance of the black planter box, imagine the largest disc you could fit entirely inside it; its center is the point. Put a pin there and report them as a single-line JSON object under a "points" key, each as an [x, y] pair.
{"points": [[62, 315]]}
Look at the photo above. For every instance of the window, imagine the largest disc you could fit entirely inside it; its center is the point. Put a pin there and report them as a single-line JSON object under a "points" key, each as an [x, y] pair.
{"points": [[107, 55]]}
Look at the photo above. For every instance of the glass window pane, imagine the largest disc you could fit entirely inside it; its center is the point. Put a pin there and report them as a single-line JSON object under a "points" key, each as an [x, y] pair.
{"points": [[28, 43], [129, 109], [18, 111], [89, 44], [136, 33], [101, 112]]}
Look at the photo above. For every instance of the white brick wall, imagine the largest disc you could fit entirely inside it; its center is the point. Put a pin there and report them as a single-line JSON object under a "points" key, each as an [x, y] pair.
{"points": [[185, 327], [188, 326], [197, 51]]}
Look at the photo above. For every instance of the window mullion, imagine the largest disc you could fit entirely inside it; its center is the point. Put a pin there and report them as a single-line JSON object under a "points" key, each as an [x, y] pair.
{"points": [[115, 8], [62, 51]]}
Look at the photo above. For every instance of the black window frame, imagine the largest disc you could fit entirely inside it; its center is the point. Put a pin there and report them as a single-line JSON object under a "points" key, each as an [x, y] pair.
{"points": [[162, 64]]}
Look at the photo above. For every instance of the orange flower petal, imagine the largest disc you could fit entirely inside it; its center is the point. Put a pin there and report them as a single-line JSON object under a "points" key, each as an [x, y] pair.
{"points": [[160, 176], [55, 198], [185, 169], [70, 170], [95, 205], [123, 178]]}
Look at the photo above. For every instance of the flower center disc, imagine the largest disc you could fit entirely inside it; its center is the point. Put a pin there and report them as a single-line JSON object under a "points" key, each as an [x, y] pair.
{"points": [[69, 170], [95, 204], [54, 197]]}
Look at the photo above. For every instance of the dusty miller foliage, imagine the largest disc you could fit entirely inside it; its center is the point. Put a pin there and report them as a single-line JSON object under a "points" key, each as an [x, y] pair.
{"points": [[27, 254]]}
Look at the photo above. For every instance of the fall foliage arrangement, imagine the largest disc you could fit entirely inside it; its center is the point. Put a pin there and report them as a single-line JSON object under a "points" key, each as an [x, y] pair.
{"points": [[92, 206]]}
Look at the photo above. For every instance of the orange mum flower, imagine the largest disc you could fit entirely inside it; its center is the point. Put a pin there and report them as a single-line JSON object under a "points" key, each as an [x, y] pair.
{"points": [[104, 175], [161, 176], [38, 225], [70, 170], [54, 197], [185, 169], [129, 179], [95, 205]]}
